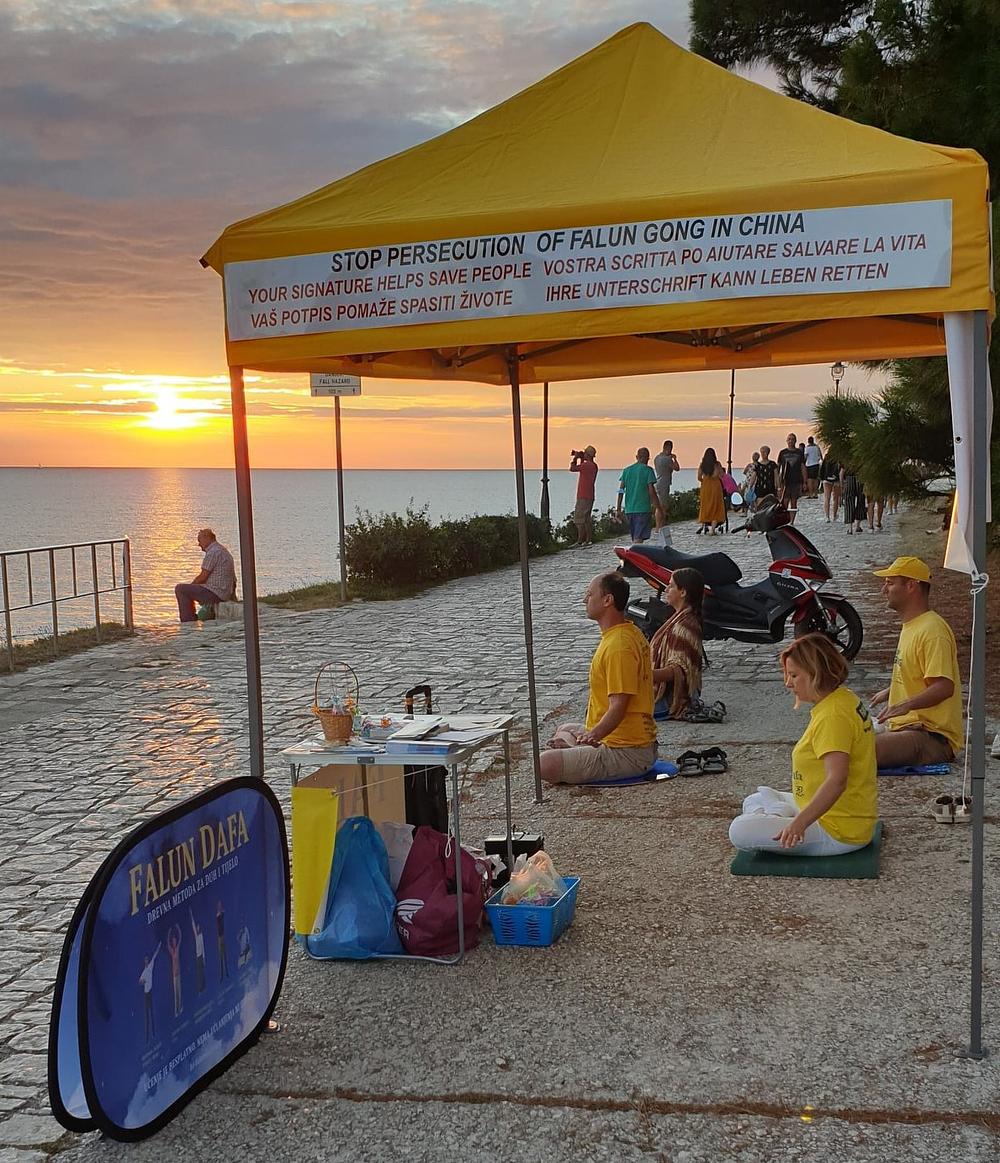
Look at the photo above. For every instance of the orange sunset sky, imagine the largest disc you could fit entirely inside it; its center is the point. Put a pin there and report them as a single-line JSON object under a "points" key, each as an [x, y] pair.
{"points": [[134, 132]]}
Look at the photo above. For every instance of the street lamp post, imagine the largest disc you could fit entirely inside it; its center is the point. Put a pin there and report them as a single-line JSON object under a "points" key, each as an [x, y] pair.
{"points": [[837, 374], [732, 402], [543, 509]]}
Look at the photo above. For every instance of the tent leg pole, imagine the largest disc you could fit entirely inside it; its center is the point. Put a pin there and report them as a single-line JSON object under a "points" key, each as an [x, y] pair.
{"points": [[977, 710], [522, 536], [248, 573]]}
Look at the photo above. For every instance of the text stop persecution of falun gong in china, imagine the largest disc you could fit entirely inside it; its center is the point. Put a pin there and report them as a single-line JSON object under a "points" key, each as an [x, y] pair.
{"points": [[855, 248]]}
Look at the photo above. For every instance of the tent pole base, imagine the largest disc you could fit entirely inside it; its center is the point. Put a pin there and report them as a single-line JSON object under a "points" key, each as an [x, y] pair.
{"points": [[972, 1056]]}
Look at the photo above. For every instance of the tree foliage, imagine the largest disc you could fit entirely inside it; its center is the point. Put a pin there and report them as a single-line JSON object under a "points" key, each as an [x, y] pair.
{"points": [[859, 431], [802, 42], [924, 69]]}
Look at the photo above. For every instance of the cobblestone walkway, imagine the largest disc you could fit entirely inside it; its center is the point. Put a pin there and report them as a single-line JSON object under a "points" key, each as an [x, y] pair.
{"points": [[96, 743]]}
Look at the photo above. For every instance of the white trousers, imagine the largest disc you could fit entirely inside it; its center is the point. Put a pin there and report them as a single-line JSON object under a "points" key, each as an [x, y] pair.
{"points": [[764, 815]]}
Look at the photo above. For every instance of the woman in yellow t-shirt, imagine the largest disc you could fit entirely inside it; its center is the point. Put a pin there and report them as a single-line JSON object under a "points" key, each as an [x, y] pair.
{"points": [[833, 805]]}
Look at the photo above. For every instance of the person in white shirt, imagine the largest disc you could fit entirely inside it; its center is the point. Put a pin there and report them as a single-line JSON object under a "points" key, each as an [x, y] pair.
{"points": [[199, 954], [215, 583], [146, 980], [243, 938], [814, 458]]}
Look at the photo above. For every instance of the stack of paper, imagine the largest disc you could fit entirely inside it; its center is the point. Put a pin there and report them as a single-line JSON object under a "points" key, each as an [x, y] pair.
{"points": [[442, 742], [467, 735], [418, 728]]}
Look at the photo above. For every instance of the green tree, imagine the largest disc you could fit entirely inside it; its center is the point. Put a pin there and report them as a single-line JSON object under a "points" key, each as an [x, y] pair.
{"points": [[803, 42], [857, 431], [924, 69]]}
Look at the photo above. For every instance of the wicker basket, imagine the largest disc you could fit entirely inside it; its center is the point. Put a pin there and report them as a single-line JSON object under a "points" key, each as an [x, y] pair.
{"points": [[337, 725]]}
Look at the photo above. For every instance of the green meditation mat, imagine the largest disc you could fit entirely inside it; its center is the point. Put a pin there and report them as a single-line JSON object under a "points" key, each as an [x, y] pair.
{"points": [[860, 865]]}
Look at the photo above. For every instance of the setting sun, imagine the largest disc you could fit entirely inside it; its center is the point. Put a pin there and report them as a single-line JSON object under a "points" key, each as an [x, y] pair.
{"points": [[166, 417]]}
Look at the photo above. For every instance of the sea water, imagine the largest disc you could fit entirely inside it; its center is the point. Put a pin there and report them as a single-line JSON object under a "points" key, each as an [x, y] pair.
{"points": [[295, 523]]}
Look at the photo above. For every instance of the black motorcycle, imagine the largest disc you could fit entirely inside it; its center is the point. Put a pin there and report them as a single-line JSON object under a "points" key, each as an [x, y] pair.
{"points": [[791, 591]]}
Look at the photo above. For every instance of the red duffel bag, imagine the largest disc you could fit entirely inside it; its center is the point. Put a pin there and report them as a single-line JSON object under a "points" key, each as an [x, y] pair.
{"points": [[426, 900]]}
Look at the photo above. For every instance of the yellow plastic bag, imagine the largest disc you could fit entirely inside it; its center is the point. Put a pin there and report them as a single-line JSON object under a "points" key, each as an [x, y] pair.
{"points": [[314, 829]]}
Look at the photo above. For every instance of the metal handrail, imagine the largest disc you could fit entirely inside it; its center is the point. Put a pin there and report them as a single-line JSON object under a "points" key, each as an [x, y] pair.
{"points": [[123, 586]]}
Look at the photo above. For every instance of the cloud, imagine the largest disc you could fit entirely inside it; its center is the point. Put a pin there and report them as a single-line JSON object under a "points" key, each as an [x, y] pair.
{"points": [[131, 100], [780, 396], [135, 130], [81, 407]]}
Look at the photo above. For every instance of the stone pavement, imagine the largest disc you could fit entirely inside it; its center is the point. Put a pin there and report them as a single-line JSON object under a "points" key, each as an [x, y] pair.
{"points": [[686, 1015]]}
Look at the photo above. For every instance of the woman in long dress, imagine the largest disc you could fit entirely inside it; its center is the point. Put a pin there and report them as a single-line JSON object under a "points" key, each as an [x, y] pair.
{"points": [[855, 508], [675, 649], [711, 505]]}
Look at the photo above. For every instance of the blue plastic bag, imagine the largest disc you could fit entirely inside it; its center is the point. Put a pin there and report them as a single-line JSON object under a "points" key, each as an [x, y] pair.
{"points": [[358, 922]]}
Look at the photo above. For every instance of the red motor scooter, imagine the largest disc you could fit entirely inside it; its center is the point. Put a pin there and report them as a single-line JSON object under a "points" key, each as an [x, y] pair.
{"points": [[759, 612]]}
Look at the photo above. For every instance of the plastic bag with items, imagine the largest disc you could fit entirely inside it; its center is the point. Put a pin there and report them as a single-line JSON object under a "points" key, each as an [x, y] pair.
{"points": [[534, 881]]}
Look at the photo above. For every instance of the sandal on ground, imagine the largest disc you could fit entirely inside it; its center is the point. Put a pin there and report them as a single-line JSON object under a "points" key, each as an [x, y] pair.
{"points": [[943, 810], [700, 712], [689, 763], [714, 761], [963, 809]]}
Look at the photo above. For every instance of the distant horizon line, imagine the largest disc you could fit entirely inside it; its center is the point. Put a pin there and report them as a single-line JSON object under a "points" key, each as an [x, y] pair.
{"points": [[269, 468]]}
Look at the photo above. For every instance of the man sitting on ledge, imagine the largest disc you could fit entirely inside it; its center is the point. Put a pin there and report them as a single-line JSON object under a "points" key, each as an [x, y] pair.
{"points": [[214, 584], [619, 737], [923, 709]]}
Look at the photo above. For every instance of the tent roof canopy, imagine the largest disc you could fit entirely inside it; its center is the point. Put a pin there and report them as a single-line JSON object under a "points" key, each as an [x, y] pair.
{"points": [[636, 131]]}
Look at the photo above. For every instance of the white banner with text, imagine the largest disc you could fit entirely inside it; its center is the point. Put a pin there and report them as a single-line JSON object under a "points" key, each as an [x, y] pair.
{"points": [[901, 246]]}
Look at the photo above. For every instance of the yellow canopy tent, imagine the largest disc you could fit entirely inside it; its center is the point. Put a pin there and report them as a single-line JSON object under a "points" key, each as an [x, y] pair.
{"points": [[637, 131], [638, 211]]}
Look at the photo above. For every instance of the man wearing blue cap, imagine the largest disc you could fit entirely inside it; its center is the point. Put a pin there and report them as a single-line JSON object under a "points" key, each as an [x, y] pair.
{"points": [[923, 701]]}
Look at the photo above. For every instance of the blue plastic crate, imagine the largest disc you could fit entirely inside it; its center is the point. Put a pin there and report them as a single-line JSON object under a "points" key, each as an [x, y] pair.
{"points": [[532, 924]]}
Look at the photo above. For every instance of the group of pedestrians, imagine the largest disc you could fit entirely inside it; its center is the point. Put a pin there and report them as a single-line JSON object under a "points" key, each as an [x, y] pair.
{"points": [[801, 470], [793, 475], [643, 491]]}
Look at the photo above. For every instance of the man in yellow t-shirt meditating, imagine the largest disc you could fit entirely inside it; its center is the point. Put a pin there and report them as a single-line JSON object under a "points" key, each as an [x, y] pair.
{"points": [[619, 737], [924, 699]]}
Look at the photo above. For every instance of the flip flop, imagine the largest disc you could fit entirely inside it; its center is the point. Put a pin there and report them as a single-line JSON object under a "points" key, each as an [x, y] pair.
{"points": [[717, 711], [689, 763], [714, 761]]}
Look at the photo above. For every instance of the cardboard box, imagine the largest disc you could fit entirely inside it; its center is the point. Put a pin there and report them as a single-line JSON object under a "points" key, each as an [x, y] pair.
{"points": [[375, 792]]}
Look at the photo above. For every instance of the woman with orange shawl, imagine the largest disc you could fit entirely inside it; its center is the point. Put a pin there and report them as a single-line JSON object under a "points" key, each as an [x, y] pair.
{"points": [[675, 649]]}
